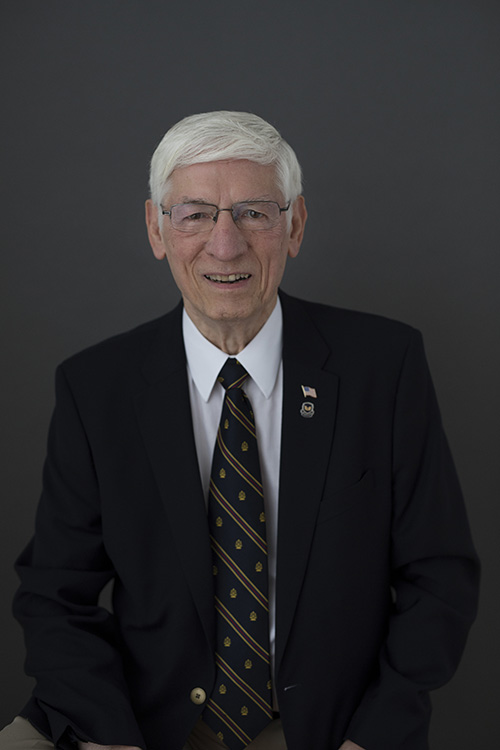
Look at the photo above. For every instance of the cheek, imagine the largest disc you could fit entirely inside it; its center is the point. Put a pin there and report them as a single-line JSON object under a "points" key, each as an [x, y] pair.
{"points": [[180, 260], [180, 273], [276, 264]]}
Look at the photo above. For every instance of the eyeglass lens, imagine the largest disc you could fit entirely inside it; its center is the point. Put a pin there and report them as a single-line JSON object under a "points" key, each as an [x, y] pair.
{"points": [[201, 217]]}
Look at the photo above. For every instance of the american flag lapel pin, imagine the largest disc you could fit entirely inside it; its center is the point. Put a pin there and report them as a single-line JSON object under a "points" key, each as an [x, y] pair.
{"points": [[307, 408], [309, 392]]}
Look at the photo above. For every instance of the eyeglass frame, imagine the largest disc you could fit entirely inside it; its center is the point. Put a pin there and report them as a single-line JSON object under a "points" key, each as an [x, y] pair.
{"points": [[219, 210]]}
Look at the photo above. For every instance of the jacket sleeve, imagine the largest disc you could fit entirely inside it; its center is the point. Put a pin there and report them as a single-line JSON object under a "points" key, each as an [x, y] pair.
{"points": [[71, 641], [435, 572]]}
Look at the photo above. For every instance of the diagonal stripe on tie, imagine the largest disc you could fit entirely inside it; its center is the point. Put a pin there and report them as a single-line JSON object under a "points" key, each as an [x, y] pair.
{"points": [[237, 466], [240, 630], [237, 518], [240, 703], [239, 574], [240, 379], [229, 722], [241, 417], [247, 689]]}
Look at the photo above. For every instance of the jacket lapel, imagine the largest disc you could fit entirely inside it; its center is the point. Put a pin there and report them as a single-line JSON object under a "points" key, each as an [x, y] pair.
{"points": [[164, 415], [306, 443]]}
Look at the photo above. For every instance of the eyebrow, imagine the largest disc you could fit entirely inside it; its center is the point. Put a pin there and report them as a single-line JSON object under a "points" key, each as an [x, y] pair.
{"points": [[203, 202], [187, 199]]}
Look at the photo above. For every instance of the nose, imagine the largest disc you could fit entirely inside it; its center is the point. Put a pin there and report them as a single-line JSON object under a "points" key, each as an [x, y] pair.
{"points": [[225, 241]]}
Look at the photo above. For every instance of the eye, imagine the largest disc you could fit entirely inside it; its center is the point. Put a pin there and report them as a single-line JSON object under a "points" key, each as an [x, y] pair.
{"points": [[197, 216], [252, 213], [188, 214], [255, 215]]}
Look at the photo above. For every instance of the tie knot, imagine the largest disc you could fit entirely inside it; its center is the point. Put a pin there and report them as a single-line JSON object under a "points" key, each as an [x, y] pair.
{"points": [[232, 375]]}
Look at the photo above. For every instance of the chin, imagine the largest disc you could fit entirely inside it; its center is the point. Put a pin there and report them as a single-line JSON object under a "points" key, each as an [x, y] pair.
{"points": [[227, 311]]}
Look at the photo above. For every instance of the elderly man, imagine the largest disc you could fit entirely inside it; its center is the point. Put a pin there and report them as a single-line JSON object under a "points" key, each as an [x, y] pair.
{"points": [[265, 481]]}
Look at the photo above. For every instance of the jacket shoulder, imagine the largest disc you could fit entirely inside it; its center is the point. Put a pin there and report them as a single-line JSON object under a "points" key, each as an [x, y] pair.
{"points": [[338, 324], [125, 351]]}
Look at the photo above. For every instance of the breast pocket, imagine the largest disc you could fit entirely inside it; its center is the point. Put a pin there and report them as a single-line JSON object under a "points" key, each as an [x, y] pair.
{"points": [[347, 499]]}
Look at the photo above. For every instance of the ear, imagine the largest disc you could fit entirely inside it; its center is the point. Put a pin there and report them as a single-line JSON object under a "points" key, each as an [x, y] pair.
{"points": [[299, 218], [154, 234]]}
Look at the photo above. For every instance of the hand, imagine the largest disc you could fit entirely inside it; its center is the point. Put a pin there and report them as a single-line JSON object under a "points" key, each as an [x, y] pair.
{"points": [[348, 745]]}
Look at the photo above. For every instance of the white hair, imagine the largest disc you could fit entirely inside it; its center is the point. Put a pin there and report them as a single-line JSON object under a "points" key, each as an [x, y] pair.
{"points": [[214, 136]]}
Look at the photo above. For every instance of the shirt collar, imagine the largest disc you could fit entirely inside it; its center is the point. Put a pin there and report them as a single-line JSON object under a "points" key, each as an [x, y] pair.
{"points": [[261, 357]]}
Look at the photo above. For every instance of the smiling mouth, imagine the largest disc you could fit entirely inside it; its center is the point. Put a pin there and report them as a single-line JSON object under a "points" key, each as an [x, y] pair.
{"points": [[230, 279]]}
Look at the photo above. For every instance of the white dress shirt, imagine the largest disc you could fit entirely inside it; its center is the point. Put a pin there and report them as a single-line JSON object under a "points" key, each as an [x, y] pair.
{"points": [[261, 358]]}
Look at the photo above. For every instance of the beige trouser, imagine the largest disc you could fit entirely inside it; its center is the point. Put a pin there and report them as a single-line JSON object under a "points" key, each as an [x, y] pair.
{"points": [[21, 735]]}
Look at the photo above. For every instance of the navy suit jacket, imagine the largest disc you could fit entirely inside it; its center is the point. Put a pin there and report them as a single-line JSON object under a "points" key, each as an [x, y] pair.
{"points": [[376, 578]]}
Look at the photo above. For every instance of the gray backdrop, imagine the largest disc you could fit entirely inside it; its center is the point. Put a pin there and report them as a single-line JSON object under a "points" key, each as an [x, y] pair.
{"points": [[393, 109]]}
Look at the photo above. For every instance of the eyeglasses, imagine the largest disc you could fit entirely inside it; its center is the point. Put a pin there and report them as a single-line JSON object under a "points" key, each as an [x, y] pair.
{"points": [[202, 217]]}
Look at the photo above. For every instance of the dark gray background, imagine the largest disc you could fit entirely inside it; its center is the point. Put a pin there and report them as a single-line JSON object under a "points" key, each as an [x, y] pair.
{"points": [[393, 109]]}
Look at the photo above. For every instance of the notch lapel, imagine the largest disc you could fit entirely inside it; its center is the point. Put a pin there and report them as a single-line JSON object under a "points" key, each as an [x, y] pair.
{"points": [[164, 415], [306, 446]]}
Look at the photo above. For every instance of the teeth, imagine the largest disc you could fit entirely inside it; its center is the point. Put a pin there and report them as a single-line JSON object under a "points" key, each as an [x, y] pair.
{"points": [[225, 279]]}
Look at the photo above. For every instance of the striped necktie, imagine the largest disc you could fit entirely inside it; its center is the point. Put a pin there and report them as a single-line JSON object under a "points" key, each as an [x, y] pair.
{"points": [[241, 703]]}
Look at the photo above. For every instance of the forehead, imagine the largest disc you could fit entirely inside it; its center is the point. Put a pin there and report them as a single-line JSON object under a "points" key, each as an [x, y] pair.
{"points": [[236, 180]]}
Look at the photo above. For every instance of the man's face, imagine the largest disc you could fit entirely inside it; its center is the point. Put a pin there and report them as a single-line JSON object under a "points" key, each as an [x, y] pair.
{"points": [[204, 265]]}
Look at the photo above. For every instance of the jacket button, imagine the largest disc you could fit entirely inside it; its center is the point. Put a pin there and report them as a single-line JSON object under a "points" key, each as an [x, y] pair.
{"points": [[198, 696]]}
